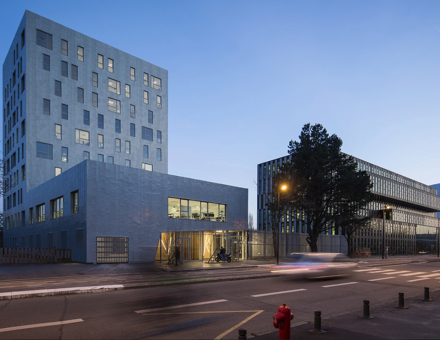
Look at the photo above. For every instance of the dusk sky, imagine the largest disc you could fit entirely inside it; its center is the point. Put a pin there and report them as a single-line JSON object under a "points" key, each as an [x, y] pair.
{"points": [[245, 76]]}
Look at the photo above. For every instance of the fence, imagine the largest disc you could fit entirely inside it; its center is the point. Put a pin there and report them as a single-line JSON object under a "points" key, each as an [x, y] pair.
{"points": [[34, 255]]}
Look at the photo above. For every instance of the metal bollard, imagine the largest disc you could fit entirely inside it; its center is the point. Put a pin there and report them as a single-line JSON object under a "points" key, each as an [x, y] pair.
{"points": [[401, 302], [366, 310], [242, 334], [426, 298], [318, 320]]}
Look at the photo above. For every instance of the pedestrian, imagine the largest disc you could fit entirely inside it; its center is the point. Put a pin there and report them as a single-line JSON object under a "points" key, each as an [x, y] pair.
{"points": [[177, 253], [223, 253]]}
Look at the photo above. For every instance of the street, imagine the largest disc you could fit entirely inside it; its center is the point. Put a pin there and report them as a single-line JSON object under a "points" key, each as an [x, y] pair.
{"points": [[212, 310]]}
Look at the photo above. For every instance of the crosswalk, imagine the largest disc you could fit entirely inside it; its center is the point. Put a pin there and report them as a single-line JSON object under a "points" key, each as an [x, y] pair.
{"points": [[393, 273]]}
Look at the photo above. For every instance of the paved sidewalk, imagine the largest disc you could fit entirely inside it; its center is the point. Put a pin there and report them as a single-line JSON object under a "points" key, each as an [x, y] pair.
{"points": [[19, 281]]}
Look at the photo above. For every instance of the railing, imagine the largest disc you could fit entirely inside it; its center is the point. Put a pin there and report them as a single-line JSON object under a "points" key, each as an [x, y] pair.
{"points": [[34, 255]]}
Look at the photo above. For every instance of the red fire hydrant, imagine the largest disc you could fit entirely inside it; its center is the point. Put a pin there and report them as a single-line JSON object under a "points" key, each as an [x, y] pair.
{"points": [[281, 320]]}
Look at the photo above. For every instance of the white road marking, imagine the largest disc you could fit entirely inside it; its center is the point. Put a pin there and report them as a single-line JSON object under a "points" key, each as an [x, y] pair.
{"points": [[382, 278], [382, 271], [340, 284], [412, 274], [429, 275], [37, 325], [179, 306], [436, 271], [395, 273], [417, 280], [283, 292], [364, 270], [57, 290]]}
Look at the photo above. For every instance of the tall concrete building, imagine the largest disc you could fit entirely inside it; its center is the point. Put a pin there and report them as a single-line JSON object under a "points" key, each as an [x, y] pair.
{"points": [[409, 225], [85, 128]]}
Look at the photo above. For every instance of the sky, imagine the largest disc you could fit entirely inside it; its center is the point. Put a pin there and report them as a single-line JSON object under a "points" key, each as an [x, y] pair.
{"points": [[245, 76]]}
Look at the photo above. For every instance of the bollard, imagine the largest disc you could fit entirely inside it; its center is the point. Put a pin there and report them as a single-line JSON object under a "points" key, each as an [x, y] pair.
{"points": [[317, 328], [366, 310], [426, 298], [401, 302], [242, 334]]}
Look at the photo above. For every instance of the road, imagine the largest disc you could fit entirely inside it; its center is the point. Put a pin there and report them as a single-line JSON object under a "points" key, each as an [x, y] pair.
{"points": [[211, 310]]}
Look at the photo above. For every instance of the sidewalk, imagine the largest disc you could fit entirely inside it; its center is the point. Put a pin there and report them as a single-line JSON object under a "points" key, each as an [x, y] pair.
{"points": [[19, 281]]}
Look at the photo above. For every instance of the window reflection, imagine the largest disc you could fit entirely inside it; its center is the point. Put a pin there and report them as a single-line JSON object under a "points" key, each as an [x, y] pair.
{"points": [[196, 210]]}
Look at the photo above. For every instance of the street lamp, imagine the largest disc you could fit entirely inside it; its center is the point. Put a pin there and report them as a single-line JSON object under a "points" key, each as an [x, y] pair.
{"points": [[383, 230], [283, 187]]}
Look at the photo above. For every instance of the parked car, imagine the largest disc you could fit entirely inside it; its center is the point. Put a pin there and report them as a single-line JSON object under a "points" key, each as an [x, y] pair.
{"points": [[316, 265]]}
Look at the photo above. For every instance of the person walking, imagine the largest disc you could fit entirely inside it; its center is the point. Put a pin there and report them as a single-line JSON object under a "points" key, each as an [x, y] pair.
{"points": [[223, 253]]}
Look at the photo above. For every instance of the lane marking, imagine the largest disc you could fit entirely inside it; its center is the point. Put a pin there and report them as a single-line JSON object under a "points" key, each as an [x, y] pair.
{"points": [[366, 270], [412, 274], [208, 312], [382, 278], [395, 273], [57, 290], [179, 306], [382, 271], [417, 280], [429, 275], [340, 284], [436, 271], [37, 325], [238, 325], [283, 292]]}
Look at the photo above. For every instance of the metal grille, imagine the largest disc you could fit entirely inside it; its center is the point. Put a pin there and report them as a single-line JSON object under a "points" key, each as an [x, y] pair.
{"points": [[111, 249]]}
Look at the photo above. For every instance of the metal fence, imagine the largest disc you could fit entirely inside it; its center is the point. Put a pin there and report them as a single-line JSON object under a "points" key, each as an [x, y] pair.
{"points": [[34, 255]]}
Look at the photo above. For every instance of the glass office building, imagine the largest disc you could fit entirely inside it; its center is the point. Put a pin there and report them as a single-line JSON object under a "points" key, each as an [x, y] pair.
{"points": [[410, 224]]}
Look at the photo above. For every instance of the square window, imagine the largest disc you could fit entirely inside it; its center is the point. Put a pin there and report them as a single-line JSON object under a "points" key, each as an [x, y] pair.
{"points": [[146, 166], [44, 150], [86, 155], [127, 163], [100, 121], [64, 47], [132, 130], [82, 137], [44, 39], [114, 86], [156, 83], [147, 133], [100, 61], [80, 53]]}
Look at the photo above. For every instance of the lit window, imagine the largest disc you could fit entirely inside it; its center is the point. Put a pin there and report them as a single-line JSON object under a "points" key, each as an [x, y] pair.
{"points": [[101, 142], [117, 125], [117, 145], [127, 91], [159, 136], [44, 150], [86, 155], [64, 111], [74, 202], [146, 97], [114, 86], [94, 99], [64, 45], [147, 133], [114, 105], [159, 102], [132, 74], [110, 65], [100, 61], [146, 79], [159, 154], [82, 137], [150, 117], [146, 151], [100, 158], [80, 53], [56, 207], [64, 69], [146, 166], [41, 213], [58, 131], [58, 171], [44, 39], [100, 121], [46, 62], [132, 111], [156, 83], [94, 79], [58, 88], [127, 147], [46, 106], [74, 71], [64, 154], [86, 117], [132, 130]]}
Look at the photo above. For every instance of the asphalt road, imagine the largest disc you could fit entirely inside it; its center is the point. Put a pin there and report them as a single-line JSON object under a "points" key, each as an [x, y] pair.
{"points": [[213, 310]]}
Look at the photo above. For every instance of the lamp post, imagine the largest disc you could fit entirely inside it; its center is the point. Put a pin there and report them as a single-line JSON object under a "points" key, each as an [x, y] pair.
{"points": [[383, 231], [283, 187]]}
